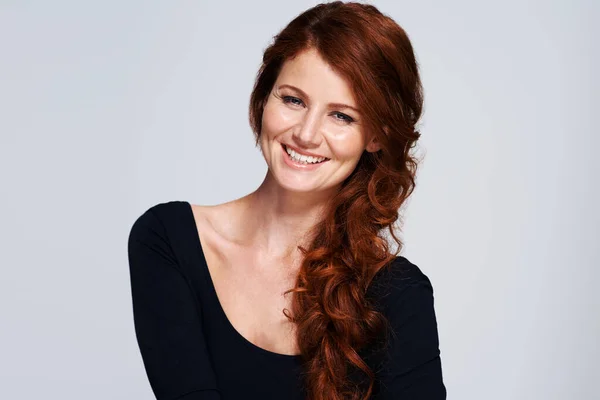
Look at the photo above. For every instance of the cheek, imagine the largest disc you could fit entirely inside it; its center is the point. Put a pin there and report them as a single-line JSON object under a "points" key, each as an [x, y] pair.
{"points": [[276, 118], [348, 148]]}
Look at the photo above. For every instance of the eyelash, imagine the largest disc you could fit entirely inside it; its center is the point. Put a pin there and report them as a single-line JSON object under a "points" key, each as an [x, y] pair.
{"points": [[347, 119]]}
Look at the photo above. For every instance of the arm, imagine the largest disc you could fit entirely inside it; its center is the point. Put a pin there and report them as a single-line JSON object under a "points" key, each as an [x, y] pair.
{"points": [[167, 318], [413, 369]]}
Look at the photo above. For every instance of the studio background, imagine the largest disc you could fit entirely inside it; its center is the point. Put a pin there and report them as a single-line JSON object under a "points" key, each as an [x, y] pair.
{"points": [[107, 108]]}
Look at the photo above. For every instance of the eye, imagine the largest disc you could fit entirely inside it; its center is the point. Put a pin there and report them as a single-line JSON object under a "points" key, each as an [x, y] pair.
{"points": [[291, 99], [344, 118]]}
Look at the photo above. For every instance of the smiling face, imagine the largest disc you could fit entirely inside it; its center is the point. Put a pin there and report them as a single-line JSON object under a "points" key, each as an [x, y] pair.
{"points": [[311, 109]]}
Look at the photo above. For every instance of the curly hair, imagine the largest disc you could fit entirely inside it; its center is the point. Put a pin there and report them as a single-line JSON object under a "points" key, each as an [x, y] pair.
{"points": [[330, 308]]}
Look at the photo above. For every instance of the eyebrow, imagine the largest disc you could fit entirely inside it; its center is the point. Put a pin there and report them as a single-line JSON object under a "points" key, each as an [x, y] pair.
{"points": [[332, 105]]}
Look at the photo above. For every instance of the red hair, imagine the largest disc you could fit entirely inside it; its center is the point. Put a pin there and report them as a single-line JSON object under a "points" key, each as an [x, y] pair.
{"points": [[332, 314]]}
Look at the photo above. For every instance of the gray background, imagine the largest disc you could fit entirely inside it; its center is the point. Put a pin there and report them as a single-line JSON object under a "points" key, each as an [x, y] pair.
{"points": [[108, 108]]}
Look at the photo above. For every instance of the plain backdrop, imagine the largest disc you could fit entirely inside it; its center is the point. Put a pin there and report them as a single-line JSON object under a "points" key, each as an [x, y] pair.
{"points": [[107, 108]]}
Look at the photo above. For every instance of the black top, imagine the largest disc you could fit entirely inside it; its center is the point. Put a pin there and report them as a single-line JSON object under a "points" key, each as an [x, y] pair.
{"points": [[191, 351]]}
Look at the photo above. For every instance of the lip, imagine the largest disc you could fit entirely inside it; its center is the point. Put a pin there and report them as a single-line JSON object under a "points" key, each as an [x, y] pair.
{"points": [[301, 167], [303, 153]]}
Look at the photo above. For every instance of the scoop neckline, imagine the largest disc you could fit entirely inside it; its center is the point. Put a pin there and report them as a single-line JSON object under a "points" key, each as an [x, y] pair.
{"points": [[221, 311]]}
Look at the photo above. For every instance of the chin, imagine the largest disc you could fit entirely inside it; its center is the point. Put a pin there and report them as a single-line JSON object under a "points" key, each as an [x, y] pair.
{"points": [[303, 185], [298, 187]]}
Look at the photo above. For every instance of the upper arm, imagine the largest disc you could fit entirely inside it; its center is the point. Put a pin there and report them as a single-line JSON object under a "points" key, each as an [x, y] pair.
{"points": [[167, 317], [413, 367]]}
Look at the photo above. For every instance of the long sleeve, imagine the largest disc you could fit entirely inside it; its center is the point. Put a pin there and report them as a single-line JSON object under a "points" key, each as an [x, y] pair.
{"points": [[167, 317], [413, 369]]}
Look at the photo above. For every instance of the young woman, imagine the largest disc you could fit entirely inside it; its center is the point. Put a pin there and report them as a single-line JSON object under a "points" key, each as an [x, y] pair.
{"points": [[292, 292]]}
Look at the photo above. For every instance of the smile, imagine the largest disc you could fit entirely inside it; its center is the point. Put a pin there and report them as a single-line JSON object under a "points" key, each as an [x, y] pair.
{"points": [[301, 162], [303, 159]]}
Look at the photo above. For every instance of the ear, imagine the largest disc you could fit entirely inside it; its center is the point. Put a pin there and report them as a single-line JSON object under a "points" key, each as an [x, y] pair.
{"points": [[374, 144]]}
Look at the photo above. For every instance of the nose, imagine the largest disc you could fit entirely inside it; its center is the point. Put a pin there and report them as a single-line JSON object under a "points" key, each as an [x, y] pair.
{"points": [[308, 134]]}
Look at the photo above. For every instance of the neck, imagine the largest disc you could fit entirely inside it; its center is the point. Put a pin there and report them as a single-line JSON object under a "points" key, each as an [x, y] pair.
{"points": [[279, 219]]}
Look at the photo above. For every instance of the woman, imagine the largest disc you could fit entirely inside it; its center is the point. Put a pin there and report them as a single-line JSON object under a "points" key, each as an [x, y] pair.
{"points": [[291, 292]]}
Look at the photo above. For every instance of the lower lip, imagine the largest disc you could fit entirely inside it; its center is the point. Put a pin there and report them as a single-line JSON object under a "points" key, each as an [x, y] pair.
{"points": [[296, 165]]}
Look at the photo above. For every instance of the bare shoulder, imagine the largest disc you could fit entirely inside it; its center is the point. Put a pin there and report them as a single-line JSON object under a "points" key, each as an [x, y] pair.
{"points": [[218, 228], [201, 214], [218, 219], [224, 220]]}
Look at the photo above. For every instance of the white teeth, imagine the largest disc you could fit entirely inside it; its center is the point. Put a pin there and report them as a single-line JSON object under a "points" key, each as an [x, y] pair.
{"points": [[302, 158]]}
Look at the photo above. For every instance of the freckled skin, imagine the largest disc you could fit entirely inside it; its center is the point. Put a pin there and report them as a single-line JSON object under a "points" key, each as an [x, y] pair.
{"points": [[310, 124]]}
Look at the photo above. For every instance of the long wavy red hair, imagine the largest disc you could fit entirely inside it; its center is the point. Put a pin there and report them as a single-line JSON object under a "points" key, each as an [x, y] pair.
{"points": [[330, 308]]}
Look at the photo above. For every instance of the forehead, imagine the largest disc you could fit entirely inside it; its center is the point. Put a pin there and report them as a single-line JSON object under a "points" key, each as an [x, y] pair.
{"points": [[309, 72]]}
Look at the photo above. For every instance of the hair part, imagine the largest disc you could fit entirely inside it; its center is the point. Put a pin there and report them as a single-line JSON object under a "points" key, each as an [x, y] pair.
{"points": [[333, 316]]}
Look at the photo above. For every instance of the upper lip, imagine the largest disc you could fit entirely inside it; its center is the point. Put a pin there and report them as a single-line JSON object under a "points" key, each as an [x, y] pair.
{"points": [[302, 152]]}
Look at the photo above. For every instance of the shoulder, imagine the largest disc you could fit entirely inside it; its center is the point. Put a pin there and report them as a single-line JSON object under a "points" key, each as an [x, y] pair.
{"points": [[162, 211], [160, 235], [153, 221], [399, 275], [409, 364], [400, 286]]}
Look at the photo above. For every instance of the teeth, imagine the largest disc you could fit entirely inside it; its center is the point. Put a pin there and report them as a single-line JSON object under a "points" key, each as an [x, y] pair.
{"points": [[302, 158]]}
